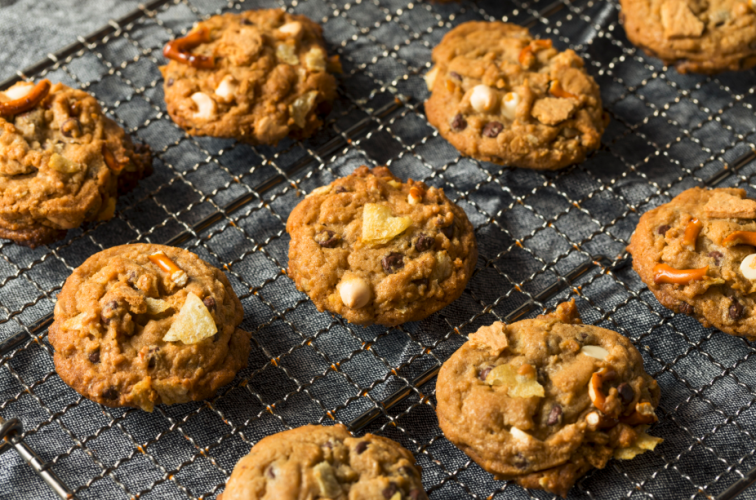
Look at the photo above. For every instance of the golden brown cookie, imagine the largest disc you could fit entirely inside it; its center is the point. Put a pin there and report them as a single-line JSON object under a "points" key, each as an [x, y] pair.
{"points": [[325, 462], [257, 76], [378, 250], [498, 95], [139, 325], [542, 401], [698, 36], [696, 254], [62, 162]]}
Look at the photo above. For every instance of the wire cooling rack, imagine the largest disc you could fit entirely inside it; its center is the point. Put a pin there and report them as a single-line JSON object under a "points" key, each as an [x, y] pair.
{"points": [[543, 237]]}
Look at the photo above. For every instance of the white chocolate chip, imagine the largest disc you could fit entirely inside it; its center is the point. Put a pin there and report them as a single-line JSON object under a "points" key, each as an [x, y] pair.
{"points": [[301, 106], [287, 52], [355, 292], [206, 107], [226, 89], [314, 60], [595, 351], [430, 77], [291, 29], [415, 196], [748, 267], [519, 435], [18, 91], [482, 98], [509, 105]]}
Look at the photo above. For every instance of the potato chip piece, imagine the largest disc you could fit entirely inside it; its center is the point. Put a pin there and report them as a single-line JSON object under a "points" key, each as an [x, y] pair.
{"points": [[379, 226], [301, 106], [193, 323], [520, 386], [644, 443], [327, 482], [156, 306], [443, 267]]}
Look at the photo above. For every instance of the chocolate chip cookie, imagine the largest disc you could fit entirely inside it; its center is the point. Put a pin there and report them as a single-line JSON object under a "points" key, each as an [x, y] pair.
{"points": [[377, 250], [62, 162], [542, 401], [257, 76], [143, 324], [696, 254], [698, 36], [498, 95], [325, 462]]}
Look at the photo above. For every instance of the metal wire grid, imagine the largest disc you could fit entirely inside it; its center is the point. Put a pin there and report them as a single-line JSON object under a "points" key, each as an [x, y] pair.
{"points": [[543, 237]]}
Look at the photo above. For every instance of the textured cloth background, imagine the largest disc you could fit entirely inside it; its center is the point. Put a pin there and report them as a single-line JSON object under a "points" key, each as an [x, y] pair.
{"points": [[668, 132]]}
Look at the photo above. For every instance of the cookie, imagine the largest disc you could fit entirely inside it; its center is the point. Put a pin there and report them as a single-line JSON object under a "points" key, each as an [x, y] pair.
{"points": [[377, 250], [498, 95], [139, 325], [694, 35], [542, 401], [325, 462], [696, 254], [62, 162], [257, 76]]}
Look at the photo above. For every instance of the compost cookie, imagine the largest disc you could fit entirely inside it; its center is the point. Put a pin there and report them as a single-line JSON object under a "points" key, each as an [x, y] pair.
{"points": [[694, 35], [62, 162], [378, 250], [143, 324], [696, 254], [542, 401], [257, 76], [498, 95], [325, 462]]}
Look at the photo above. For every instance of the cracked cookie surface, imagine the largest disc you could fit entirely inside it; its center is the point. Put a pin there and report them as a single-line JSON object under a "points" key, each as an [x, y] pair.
{"points": [[706, 238], [325, 462], [498, 95], [377, 250], [699, 36], [542, 401], [62, 162], [132, 329], [257, 76]]}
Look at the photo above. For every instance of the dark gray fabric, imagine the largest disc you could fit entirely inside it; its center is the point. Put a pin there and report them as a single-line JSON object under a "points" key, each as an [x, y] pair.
{"points": [[668, 132]]}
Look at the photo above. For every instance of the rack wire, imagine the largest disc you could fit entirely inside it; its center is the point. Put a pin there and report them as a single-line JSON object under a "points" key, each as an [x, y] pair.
{"points": [[544, 237]]}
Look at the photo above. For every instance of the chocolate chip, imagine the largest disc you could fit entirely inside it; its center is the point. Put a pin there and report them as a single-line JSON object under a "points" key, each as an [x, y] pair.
{"points": [[247, 22], [424, 243], [448, 231], [392, 262], [132, 278], [421, 281], [736, 310], [408, 471], [151, 363], [389, 491], [327, 238], [70, 128], [663, 229], [492, 129], [455, 75], [484, 373], [361, 446], [152, 357], [415, 494], [271, 473], [94, 356], [626, 393], [170, 82], [520, 461], [341, 189], [209, 303], [109, 311], [111, 394], [458, 123], [685, 308], [555, 415], [717, 256], [328, 445]]}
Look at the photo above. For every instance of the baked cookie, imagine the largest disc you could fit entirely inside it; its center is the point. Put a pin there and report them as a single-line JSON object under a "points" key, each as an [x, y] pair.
{"points": [[62, 162], [544, 400], [257, 76], [698, 36], [377, 250], [696, 254], [325, 462], [140, 325], [498, 95]]}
